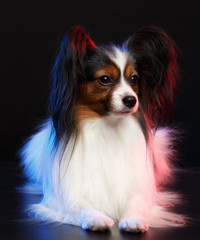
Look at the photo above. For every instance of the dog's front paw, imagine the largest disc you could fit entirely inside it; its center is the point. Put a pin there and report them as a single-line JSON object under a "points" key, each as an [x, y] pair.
{"points": [[97, 221], [133, 224]]}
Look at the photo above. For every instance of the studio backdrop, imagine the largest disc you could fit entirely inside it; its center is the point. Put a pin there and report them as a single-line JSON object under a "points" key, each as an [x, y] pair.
{"points": [[31, 32]]}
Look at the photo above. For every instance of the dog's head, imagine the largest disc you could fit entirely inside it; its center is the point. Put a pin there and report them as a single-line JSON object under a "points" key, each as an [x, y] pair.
{"points": [[92, 81]]}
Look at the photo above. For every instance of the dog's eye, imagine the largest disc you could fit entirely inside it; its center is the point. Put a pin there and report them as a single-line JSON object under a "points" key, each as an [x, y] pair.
{"points": [[134, 79], [105, 80]]}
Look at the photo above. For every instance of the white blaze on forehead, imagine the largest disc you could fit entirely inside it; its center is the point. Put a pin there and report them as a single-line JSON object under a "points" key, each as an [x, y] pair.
{"points": [[120, 58]]}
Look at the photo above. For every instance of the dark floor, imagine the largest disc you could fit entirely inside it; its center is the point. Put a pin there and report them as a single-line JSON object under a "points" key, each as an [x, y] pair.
{"points": [[13, 224]]}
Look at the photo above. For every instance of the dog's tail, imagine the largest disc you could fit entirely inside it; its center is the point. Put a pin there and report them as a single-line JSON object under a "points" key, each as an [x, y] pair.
{"points": [[162, 214], [165, 156], [34, 153]]}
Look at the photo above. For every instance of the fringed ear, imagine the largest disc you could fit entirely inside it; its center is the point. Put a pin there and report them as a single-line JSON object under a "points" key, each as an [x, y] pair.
{"points": [[156, 59], [66, 74]]}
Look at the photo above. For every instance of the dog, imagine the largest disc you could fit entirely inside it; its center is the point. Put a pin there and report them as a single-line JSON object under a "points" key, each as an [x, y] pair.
{"points": [[105, 153]]}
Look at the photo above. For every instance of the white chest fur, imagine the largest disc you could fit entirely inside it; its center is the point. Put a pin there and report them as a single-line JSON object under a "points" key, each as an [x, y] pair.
{"points": [[109, 165]]}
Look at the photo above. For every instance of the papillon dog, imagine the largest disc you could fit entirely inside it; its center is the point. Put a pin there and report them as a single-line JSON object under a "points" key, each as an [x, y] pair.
{"points": [[104, 154]]}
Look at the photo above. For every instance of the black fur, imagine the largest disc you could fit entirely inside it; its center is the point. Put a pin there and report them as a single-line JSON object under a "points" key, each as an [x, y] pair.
{"points": [[156, 60], [151, 50], [68, 71], [98, 60]]}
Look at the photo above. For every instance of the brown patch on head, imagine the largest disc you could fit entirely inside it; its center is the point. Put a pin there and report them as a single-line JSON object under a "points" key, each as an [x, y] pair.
{"points": [[130, 71], [92, 101], [83, 112], [94, 98], [112, 71], [93, 94], [136, 89]]}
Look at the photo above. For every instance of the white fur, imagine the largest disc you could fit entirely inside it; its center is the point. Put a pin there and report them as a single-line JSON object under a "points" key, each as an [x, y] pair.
{"points": [[120, 58], [133, 224], [122, 91], [107, 177]]}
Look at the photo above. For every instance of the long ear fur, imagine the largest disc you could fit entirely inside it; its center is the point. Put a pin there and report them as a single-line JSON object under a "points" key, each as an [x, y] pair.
{"points": [[67, 72], [156, 60]]}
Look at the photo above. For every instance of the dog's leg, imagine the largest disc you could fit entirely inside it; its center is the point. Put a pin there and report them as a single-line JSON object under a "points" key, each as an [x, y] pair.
{"points": [[87, 217], [132, 219], [132, 223]]}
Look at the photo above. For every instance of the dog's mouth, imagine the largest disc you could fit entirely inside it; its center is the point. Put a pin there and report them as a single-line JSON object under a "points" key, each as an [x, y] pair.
{"points": [[123, 113], [126, 112]]}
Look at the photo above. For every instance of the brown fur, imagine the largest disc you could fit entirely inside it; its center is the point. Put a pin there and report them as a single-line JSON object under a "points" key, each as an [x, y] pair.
{"points": [[111, 70], [94, 99], [128, 72]]}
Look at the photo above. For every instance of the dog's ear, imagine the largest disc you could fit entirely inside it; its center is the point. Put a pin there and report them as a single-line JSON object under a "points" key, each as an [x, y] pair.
{"points": [[66, 74], [80, 47], [155, 54], [80, 41]]}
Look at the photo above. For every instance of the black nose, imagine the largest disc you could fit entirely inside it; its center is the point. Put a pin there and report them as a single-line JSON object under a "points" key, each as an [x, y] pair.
{"points": [[129, 101]]}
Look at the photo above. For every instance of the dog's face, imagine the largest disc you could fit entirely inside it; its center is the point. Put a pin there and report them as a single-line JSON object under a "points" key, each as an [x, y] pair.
{"points": [[139, 78], [111, 86]]}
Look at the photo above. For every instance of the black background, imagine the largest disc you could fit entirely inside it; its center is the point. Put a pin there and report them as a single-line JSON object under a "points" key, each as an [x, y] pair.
{"points": [[30, 35]]}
